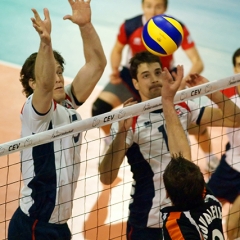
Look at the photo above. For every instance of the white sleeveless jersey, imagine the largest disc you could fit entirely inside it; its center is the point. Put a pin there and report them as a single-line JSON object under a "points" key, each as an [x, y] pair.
{"points": [[148, 157], [50, 171], [233, 154]]}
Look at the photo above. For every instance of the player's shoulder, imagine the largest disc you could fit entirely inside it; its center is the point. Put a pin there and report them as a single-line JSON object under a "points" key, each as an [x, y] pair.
{"points": [[134, 19], [132, 24]]}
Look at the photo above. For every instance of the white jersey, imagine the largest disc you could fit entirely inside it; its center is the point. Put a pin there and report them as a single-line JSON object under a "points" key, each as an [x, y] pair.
{"points": [[50, 171], [233, 154], [148, 157]]}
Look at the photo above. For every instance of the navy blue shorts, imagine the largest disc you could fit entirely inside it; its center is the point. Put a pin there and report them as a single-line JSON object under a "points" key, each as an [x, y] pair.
{"points": [[22, 227], [135, 233], [124, 90], [225, 181]]}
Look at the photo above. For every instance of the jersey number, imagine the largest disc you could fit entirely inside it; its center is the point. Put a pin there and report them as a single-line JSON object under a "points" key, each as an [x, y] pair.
{"points": [[217, 235]]}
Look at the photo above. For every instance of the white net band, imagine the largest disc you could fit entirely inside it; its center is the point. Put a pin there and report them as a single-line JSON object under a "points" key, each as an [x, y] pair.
{"points": [[116, 115]]}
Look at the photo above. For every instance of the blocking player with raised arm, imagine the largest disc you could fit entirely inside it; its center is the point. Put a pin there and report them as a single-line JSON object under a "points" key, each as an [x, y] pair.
{"points": [[195, 213], [143, 140], [225, 181], [120, 87], [50, 171]]}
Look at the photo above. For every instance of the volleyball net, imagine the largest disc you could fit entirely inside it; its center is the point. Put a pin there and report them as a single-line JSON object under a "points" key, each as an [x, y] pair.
{"points": [[99, 211]]}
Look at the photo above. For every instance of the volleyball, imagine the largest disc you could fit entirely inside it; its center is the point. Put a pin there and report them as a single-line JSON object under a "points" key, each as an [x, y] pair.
{"points": [[162, 35]]}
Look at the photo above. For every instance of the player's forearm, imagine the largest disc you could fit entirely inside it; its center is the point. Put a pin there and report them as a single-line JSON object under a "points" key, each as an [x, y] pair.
{"points": [[115, 58], [177, 140], [229, 109], [197, 67], [45, 72], [196, 61], [93, 50], [113, 159]]}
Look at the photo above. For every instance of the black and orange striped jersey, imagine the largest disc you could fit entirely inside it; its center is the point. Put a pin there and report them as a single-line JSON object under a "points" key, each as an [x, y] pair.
{"points": [[200, 223]]}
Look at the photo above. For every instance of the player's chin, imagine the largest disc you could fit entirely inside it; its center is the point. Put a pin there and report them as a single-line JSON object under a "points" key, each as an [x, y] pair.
{"points": [[59, 96], [155, 93]]}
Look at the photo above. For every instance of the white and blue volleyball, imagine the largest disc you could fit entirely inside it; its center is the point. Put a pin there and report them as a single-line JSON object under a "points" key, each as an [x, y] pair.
{"points": [[162, 35]]}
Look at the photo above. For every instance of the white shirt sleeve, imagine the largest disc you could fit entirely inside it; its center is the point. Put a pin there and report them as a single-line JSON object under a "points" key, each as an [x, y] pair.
{"points": [[34, 121]]}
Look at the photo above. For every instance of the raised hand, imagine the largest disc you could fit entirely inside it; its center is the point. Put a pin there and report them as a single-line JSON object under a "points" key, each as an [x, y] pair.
{"points": [[195, 80], [115, 78], [124, 125], [43, 27], [169, 85], [81, 12]]}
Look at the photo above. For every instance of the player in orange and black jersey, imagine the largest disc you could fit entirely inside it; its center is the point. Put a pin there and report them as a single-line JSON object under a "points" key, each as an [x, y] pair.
{"points": [[195, 213], [144, 141]]}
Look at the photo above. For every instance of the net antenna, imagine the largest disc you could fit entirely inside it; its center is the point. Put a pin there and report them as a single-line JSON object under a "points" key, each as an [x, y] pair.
{"points": [[116, 115]]}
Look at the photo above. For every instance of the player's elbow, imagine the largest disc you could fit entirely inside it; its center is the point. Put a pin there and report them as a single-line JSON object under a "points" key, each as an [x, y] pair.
{"points": [[201, 67], [103, 63], [106, 178], [99, 67], [236, 124], [197, 64], [102, 60]]}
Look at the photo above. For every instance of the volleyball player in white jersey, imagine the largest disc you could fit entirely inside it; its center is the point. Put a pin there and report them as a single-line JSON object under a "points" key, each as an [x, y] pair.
{"points": [[143, 140], [50, 171], [225, 181]]}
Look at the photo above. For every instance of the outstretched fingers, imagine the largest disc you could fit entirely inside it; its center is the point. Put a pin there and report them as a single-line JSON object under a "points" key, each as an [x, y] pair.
{"points": [[36, 15], [129, 102], [43, 27], [72, 2], [81, 12], [69, 17], [178, 75], [46, 14], [166, 76]]}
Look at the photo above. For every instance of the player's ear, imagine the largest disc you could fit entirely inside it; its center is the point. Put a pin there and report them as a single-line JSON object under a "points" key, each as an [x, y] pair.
{"points": [[235, 70], [135, 83], [238, 89], [167, 195], [32, 83]]}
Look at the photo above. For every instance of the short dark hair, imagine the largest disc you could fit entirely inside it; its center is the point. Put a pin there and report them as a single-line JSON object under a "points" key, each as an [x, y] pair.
{"points": [[27, 71], [184, 182], [235, 55], [165, 3], [139, 58]]}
